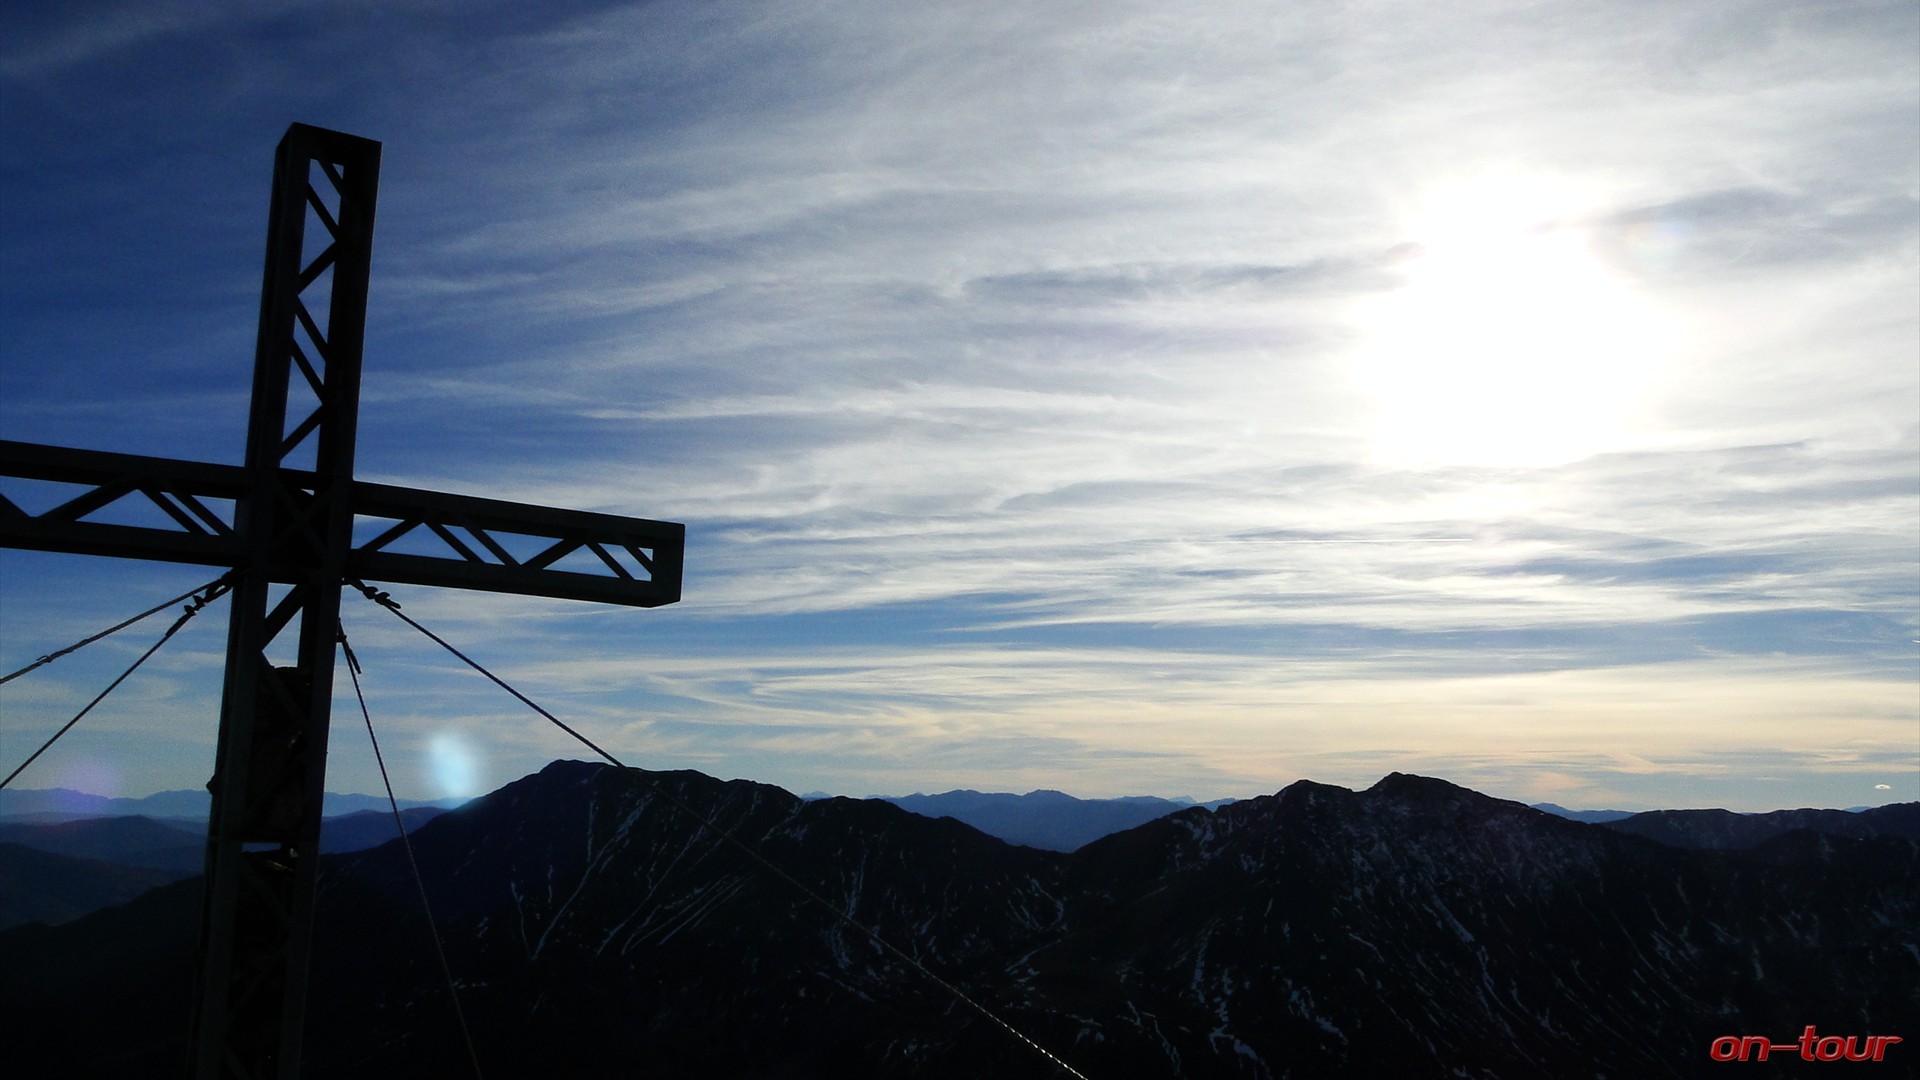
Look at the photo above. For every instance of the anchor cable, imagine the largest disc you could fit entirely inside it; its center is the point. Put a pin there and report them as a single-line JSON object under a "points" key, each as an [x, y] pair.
{"points": [[84, 642], [406, 844], [212, 593], [387, 601]]}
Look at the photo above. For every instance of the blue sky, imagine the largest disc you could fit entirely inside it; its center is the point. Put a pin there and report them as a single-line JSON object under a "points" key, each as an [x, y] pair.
{"points": [[1119, 398]]}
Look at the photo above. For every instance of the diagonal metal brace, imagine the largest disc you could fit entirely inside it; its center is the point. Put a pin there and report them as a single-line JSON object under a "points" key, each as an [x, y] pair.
{"points": [[657, 547]]}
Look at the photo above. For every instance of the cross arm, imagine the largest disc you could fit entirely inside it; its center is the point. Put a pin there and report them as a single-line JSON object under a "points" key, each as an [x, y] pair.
{"points": [[517, 548], [180, 490], [402, 535]]}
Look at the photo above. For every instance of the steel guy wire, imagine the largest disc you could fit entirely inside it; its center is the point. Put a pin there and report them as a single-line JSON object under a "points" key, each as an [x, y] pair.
{"points": [[406, 844], [387, 601], [213, 592], [84, 642]]}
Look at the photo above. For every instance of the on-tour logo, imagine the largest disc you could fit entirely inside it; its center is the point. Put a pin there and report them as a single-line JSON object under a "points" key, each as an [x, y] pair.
{"points": [[1811, 1045]]}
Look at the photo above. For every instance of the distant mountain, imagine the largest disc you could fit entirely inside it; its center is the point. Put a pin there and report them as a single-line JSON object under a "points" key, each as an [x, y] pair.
{"points": [[175, 845], [1725, 830], [1050, 820], [150, 852], [1415, 929], [125, 841], [1591, 817], [62, 804]]}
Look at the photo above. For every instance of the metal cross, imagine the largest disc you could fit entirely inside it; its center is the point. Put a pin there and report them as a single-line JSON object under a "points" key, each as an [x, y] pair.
{"points": [[294, 524]]}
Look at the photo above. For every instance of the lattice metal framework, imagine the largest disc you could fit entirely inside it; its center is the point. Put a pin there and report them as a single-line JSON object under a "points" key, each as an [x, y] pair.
{"points": [[138, 507], [287, 523], [263, 842]]}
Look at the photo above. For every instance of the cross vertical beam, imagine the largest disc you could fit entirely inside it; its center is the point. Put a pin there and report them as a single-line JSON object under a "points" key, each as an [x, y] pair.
{"points": [[289, 541], [294, 526]]}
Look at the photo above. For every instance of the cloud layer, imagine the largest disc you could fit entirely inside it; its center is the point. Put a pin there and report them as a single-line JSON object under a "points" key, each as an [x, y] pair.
{"points": [[1098, 396]]}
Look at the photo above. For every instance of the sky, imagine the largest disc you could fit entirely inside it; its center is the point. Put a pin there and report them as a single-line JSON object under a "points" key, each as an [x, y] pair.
{"points": [[1119, 398]]}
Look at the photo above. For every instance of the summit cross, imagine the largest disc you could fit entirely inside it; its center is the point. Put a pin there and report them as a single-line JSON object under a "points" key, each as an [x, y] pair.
{"points": [[293, 526]]}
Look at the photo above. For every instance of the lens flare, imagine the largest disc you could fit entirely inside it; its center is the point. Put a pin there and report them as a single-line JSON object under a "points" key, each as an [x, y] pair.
{"points": [[455, 768]]}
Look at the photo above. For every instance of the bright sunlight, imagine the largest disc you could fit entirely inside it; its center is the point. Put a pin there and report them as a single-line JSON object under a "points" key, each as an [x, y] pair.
{"points": [[1509, 343]]}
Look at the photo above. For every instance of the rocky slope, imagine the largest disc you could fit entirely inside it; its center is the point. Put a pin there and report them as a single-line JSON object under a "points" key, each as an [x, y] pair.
{"points": [[1413, 929]]}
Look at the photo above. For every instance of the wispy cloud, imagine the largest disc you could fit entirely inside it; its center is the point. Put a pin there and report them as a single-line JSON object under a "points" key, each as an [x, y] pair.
{"points": [[1000, 356]]}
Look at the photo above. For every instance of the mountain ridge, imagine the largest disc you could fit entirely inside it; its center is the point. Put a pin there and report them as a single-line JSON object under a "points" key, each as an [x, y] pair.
{"points": [[67, 868], [1043, 818], [52, 805], [1414, 928]]}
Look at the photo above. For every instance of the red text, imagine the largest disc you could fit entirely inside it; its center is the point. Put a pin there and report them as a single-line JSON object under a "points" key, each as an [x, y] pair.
{"points": [[1811, 1046]]}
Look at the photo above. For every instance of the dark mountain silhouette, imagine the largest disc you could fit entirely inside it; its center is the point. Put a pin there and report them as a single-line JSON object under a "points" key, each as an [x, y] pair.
{"points": [[106, 996], [1725, 829], [94, 863], [1049, 820], [180, 845], [55, 872], [1414, 929], [126, 841], [365, 829], [41, 887]]}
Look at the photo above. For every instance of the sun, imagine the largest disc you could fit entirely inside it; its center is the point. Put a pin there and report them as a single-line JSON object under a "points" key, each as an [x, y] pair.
{"points": [[1509, 342]]}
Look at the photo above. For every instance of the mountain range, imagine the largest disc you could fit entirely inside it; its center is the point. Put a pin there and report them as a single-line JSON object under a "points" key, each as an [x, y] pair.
{"points": [[1055, 821], [1049, 820], [1414, 929], [190, 805], [56, 870]]}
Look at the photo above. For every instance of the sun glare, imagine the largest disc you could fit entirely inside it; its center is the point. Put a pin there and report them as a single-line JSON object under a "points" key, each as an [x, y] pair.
{"points": [[454, 766], [1509, 343]]}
